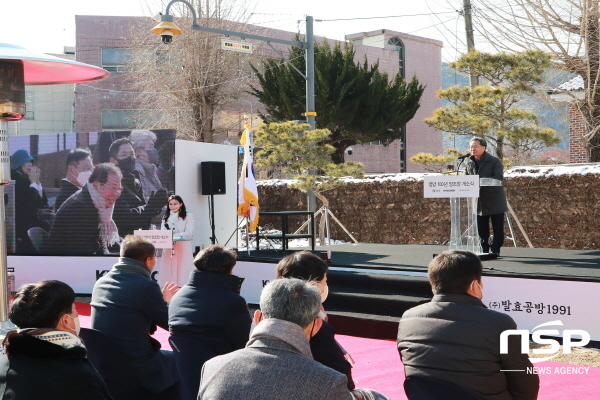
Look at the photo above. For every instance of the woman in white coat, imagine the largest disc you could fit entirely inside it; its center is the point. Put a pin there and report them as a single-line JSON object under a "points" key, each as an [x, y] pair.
{"points": [[177, 265]]}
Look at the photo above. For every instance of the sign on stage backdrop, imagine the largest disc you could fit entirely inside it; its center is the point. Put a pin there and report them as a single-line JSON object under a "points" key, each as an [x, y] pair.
{"points": [[531, 302], [439, 186], [82, 272], [58, 212]]}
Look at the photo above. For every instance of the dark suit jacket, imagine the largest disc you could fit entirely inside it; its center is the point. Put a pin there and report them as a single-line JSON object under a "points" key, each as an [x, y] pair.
{"points": [[67, 189], [212, 318], [209, 309], [326, 350], [75, 228], [28, 202], [492, 199], [127, 305], [454, 338]]}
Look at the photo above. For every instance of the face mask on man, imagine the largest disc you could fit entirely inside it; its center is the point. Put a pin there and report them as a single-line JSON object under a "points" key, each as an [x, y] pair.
{"points": [[127, 164], [152, 156], [77, 326], [83, 177]]}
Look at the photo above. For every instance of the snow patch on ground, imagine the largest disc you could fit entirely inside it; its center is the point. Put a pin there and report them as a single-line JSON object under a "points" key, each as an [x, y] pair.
{"points": [[277, 244], [525, 171]]}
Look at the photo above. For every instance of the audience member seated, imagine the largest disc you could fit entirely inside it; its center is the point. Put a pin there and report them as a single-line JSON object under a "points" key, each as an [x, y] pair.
{"points": [[127, 305], [277, 363], [45, 358], [323, 346], [456, 339], [207, 317], [79, 170]]}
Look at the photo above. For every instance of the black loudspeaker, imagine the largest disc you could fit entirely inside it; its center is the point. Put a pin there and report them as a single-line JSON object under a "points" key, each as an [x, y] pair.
{"points": [[212, 177]]}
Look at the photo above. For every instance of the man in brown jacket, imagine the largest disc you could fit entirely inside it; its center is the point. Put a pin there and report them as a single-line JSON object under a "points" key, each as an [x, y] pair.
{"points": [[456, 339]]}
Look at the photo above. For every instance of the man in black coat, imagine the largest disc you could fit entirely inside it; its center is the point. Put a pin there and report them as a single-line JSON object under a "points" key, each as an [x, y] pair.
{"points": [[132, 212], [456, 339], [77, 225], [208, 313], [492, 200], [46, 359], [79, 170], [127, 306]]}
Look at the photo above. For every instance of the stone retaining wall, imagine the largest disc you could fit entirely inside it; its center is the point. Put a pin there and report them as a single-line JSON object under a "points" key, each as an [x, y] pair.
{"points": [[557, 209]]}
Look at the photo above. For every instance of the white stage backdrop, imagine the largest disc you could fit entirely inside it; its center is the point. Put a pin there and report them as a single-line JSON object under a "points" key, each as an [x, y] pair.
{"points": [[82, 272], [188, 156], [256, 276], [530, 302]]}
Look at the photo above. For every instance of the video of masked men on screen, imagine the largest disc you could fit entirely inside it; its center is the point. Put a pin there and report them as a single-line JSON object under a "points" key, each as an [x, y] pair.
{"points": [[82, 193]]}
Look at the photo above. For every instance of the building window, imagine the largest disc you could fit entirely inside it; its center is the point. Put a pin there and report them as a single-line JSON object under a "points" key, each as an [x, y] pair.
{"points": [[400, 49], [114, 120], [29, 108], [116, 60]]}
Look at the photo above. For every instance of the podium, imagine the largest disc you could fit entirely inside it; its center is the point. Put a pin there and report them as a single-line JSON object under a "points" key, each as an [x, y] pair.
{"points": [[464, 234], [463, 192]]}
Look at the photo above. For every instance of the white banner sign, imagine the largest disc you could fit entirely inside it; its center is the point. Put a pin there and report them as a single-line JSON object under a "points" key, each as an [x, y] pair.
{"points": [[82, 272], [451, 186], [161, 239], [531, 302], [256, 276]]}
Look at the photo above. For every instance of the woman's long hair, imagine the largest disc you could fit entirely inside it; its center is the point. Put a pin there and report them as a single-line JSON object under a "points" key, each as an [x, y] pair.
{"points": [[182, 212]]}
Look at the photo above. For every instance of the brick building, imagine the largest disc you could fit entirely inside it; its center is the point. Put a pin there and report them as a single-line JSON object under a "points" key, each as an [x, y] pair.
{"points": [[577, 128], [107, 105]]}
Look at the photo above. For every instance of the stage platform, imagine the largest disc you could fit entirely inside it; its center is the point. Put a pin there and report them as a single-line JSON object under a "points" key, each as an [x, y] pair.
{"points": [[581, 265], [371, 285]]}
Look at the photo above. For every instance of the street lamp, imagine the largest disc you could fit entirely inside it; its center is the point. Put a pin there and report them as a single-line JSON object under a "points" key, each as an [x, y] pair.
{"points": [[167, 29], [20, 67]]}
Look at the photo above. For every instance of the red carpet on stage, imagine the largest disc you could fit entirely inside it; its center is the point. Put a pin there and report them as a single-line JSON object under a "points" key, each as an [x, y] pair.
{"points": [[378, 367]]}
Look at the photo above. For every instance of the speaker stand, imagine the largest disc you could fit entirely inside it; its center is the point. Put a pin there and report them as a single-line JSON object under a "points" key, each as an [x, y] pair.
{"points": [[236, 230], [211, 210]]}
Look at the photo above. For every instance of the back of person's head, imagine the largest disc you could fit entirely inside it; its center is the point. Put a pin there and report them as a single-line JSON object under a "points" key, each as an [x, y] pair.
{"points": [[292, 300], [137, 247], [102, 171], [76, 155], [40, 305], [452, 271], [302, 265], [216, 258]]}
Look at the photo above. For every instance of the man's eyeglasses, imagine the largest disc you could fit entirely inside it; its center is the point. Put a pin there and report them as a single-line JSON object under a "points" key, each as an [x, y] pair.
{"points": [[117, 188]]}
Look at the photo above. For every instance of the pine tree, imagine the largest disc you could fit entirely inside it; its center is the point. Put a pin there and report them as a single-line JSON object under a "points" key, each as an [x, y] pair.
{"points": [[301, 152], [491, 111], [356, 102]]}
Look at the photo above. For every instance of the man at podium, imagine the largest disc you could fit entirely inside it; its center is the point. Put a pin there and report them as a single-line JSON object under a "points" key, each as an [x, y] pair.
{"points": [[492, 199]]}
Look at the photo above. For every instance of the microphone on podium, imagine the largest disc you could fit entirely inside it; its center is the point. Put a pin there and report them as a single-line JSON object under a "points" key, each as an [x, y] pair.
{"points": [[465, 156]]}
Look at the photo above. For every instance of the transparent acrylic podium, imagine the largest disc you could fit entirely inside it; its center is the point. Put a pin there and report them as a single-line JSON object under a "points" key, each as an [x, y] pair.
{"points": [[463, 220]]}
